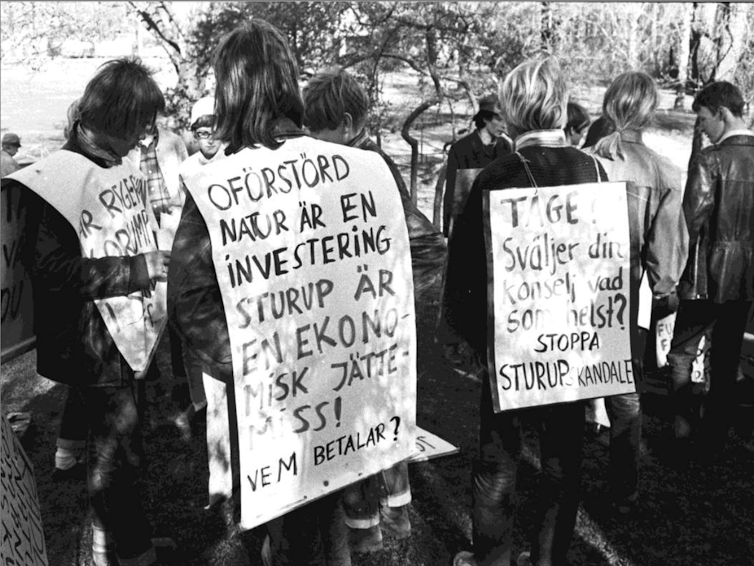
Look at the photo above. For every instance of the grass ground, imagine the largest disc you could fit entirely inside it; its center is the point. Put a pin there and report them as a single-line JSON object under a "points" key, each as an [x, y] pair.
{"points": [[694, 516], [701, 515]]}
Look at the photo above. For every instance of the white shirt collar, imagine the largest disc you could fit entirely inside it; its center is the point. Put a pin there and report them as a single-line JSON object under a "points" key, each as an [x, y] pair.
{"points": [[541, 138], [731, 133]]}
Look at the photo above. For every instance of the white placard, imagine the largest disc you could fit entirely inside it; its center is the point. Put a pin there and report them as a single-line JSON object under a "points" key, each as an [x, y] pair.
{"points": [[312, 256], [107, 208], [560, 294], [23, 540]]}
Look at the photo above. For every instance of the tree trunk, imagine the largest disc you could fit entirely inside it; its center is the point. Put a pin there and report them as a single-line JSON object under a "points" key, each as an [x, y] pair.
{"points": [[439, 190], [414, 143], [684, 51], [730, 32]]}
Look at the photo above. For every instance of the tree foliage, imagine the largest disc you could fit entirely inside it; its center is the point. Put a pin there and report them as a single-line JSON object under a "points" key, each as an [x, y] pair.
{"points": [[454, 51], [33, 32]]}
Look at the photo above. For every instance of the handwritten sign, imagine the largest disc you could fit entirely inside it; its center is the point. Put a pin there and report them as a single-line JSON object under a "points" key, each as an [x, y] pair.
{"points": [[17, 306], [664, 338], [22, 533], [311, 252], [559, 294], [107, 209]]}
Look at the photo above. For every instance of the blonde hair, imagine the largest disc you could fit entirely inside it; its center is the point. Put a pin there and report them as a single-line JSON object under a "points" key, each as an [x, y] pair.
{"points": [[629, 104], [534, 96]]}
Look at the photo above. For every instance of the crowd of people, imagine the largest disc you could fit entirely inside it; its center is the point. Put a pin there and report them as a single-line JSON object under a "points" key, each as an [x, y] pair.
{"points": [[694, 245]]}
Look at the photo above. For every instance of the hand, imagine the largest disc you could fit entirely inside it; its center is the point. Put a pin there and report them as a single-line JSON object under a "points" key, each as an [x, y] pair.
{"points": [[157, 264]]}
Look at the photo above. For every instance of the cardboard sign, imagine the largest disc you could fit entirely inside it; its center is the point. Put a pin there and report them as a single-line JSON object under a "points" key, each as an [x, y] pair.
{"points": [[312, 257], [17, 334], [559, 294], [430, 446], [107, 209], [22, 533], [664, 337]]}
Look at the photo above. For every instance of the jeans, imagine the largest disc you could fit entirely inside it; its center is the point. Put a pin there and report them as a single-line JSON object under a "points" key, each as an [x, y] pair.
{"points": [[561, 435], [113, 415], [728, 322], [73, 424], [625, 416], [312, 535], [625, 444]]}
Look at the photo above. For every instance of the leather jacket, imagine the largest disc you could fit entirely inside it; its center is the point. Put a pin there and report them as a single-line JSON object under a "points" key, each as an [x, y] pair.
{"points": [[659, 239], [73, 344], [719, 209]]}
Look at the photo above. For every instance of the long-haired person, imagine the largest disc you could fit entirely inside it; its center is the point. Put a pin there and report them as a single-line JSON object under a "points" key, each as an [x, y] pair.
{"points": [[258, 105], [533, 98], [659, 243], [73, 272]]}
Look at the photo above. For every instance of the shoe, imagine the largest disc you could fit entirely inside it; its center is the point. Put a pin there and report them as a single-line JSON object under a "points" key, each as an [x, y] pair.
{"points": [[464, 558], [395, 521], [75, 472], [366, 541], [524, 559]]}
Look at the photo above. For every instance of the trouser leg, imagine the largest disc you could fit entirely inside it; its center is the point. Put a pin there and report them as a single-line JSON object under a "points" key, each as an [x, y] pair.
{"points": [[561, 440], [727, 338], [494, 482], [113, 419]]}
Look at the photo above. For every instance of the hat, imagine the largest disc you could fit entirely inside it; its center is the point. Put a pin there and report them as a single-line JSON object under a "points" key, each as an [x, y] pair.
{"points": [[202, 107], [488, 104], [11, 139]]}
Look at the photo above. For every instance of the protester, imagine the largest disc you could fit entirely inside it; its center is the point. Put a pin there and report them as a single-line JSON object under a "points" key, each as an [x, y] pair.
{"points": [[11, 142], [259, 108], [84, 288], [336, 110], [658, 239], [159, 155], [70, 445], [466, 158], [481, 147], [577, 124], [717, 287], [533, 98], [212, 391], [202, 124]]}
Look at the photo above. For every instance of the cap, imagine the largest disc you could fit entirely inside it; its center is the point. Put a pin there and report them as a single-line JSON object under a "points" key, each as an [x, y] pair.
{"points": [[11, 139], [202, 107], [489, 104]]}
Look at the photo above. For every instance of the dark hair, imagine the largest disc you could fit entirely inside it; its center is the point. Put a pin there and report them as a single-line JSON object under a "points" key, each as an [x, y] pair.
{"points": [[578, 118], [717, 95], [257, 84], [206, 121], [481, 118], [329, 96], [120, 99]]}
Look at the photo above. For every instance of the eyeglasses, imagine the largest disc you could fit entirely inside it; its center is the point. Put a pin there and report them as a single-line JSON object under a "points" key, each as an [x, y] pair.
{"points": [[202, 134]]}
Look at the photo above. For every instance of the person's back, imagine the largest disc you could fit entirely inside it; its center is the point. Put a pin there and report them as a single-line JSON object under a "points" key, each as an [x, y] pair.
{"points": [[659, 244], [717, 286], [720, 211]]}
